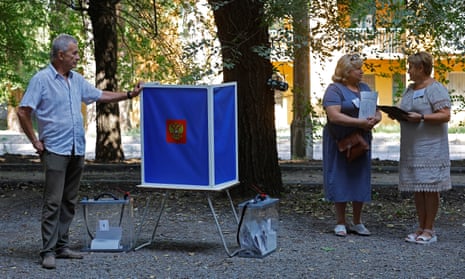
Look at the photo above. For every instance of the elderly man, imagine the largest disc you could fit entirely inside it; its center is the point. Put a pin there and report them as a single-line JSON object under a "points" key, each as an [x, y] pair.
{"points": [[54, 95]]}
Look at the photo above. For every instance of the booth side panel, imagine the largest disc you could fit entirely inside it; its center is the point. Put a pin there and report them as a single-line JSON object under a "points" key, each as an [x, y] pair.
{"points": [[225, 131], [175, 136]]}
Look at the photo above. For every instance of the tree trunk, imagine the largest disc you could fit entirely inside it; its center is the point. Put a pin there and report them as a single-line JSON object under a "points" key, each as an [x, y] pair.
{"points": [[103, 17], [301, 133], [241, 32]]}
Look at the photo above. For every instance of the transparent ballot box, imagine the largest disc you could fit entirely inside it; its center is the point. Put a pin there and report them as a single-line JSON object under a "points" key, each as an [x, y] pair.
{"points": [[258, 226], [108, 223]]}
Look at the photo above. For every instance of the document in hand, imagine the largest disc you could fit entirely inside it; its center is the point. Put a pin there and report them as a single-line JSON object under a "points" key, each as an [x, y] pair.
{"points": [[368, 101], [394, 112]]}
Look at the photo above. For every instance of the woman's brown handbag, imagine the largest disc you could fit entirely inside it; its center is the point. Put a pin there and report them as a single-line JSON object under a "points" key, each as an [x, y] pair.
{"points": [[354, 146]]}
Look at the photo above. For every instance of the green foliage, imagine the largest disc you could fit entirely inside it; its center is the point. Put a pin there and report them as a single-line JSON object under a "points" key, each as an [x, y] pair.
{"points": [[157, 44], [77, 25], [325, 29], [435, 26], [22, 42], [151, 48], [316, 119]]}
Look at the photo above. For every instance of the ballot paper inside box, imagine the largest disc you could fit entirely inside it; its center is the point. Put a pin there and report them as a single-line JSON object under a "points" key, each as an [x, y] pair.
{"points": [[108, 224], [258, 227]]}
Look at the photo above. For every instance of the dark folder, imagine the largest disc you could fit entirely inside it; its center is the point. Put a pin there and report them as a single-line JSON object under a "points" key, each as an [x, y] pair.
{"points": [[394, 112]]}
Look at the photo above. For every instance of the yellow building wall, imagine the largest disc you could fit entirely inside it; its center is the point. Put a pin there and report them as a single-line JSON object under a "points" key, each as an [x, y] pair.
{"points": [[286, 69], [382, 69], [384, 83]]}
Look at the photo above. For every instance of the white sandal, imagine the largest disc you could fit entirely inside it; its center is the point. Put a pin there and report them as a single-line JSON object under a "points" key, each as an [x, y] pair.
{"points": [[412, 238], [422, 239], [360, 229], [340, 230]]}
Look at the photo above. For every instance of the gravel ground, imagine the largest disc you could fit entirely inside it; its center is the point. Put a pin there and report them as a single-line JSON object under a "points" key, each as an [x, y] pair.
{"points": [[187, 244]]}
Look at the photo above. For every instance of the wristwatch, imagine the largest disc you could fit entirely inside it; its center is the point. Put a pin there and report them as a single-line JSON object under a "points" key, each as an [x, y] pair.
{"points": [[129, 94]]}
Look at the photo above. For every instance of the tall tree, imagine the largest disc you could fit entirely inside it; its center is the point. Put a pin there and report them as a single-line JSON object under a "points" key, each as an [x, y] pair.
{"points": [[103, 17], [137, 24], [301, 135], [297, 39], [242, 33]]}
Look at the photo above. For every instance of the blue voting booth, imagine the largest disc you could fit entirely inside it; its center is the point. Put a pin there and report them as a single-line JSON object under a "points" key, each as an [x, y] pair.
{"points": [[189, 142], [189, 136]]}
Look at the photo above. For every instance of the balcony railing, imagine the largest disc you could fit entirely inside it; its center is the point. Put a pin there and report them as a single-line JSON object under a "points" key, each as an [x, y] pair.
{"points": [[370, 41], [374, 41]]}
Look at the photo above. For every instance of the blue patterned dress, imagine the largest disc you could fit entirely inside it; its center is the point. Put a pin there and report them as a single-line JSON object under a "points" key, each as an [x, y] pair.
{"points": [[344, 181]]}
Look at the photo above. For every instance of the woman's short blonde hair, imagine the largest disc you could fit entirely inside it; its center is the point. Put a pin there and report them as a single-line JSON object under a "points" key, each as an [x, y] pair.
{"points": [[422, 59], [346, 64]]}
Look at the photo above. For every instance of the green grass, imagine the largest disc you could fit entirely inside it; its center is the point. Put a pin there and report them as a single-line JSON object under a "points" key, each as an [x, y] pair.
{"points": [[132, 132], [457, 130], [387, 128]]}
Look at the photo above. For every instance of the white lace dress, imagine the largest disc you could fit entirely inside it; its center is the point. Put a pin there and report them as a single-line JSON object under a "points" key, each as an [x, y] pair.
{"points": [[424, 164]]}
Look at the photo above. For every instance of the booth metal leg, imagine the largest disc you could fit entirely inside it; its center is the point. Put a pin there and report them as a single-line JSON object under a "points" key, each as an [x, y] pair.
{"points": [[162, 206], [232, 206], [220, 231]]}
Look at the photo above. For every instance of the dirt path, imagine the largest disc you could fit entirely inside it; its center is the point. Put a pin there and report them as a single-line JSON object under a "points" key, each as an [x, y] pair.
{"points": [[187, 244]]}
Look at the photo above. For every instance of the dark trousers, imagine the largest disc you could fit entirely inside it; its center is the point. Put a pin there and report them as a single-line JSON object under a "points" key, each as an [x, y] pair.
{"points": [[62, 179]]}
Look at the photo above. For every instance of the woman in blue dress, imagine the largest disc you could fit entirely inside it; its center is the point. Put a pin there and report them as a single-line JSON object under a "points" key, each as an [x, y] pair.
{"points": [[346, 181]]}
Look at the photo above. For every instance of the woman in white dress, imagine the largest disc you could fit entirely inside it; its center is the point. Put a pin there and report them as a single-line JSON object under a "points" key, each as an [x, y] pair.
{"points": [[424, 165]]}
